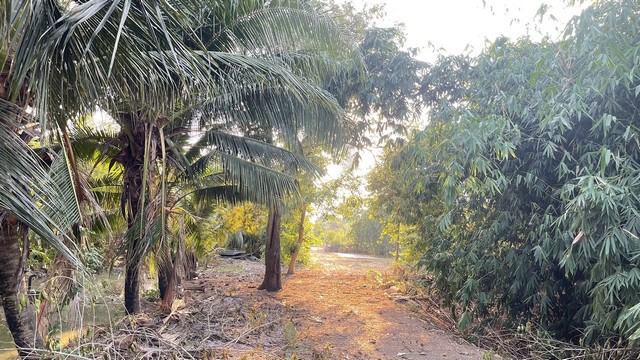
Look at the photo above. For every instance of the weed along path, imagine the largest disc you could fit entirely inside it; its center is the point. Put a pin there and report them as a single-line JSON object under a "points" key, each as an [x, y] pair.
{"points": [[339, 310]]}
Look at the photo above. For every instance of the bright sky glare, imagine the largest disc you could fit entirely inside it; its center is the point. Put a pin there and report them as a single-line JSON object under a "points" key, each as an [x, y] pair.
{"points": [[451, 25]]}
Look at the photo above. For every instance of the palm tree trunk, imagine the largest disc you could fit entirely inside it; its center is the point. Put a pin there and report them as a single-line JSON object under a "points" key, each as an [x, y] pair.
{"points": [[133, 165], [132, 286], [14, 312], [190, 265], [166, 279], [272, 275], [133, 257], [133, 185], [296, 252]]}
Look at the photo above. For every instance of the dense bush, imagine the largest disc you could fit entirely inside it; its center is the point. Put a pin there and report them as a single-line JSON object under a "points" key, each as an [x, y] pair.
{"points": [[525, 184]]}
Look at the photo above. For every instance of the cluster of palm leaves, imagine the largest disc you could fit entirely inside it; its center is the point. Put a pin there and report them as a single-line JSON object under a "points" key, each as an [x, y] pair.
{"points": [[204, 98]]}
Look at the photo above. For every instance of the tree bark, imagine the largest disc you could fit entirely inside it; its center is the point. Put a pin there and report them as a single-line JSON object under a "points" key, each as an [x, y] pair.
{"points": [[296, 252], [132, 286], [166, 280], [133, 163], [15, 313], [133, 257], [272, 275], [190, 264]]}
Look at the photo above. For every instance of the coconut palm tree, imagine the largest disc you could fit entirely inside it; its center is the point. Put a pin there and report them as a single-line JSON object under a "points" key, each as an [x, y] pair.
{"points": [[32, 197], [262, 62], [212, 167], [306, 44], [48, 48]]}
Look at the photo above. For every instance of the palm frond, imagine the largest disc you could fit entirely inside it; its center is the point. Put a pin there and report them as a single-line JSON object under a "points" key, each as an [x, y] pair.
{"points": [[111, 51], [218, 194], [273, 31], [63, 180], [276, 107], [250, 149], [144, 234], [31, 194], [258, 183]]}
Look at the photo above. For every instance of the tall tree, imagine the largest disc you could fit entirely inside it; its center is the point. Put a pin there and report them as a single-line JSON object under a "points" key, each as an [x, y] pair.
{"points": [[124, 57]]}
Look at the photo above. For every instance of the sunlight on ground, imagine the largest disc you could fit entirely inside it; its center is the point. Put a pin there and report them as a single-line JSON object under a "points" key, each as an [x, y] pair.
{"points": [[343, 304], [354, 256], [65, 338], [341, 311]]}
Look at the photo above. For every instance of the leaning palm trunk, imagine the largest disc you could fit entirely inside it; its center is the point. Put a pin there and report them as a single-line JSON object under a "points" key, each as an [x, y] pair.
{"points": [[14, 312], [272, 275]]}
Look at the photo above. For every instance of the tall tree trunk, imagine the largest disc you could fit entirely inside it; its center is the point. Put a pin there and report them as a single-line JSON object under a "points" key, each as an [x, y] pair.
{"points": [[132, 285], [133, 256], [166, 279], [133, 163], [190, 265], [296, 252], [272, 274], [14, 312], [398, 244]]}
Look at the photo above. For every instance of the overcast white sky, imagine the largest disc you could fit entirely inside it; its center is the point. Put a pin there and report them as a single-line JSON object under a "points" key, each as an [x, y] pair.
{"points": [[453, 24]]}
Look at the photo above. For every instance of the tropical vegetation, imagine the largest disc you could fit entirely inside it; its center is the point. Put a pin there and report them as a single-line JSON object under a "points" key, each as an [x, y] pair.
{"points": [[522, 188], [147, 135]]}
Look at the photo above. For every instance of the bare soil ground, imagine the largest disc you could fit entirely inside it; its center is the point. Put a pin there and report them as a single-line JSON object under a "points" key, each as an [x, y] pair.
{"points": [[339, 307], [335, 308], [342, 312]]}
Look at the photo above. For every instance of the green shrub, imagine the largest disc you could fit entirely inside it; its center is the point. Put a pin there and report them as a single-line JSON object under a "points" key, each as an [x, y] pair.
{"points": [[525, 184]]}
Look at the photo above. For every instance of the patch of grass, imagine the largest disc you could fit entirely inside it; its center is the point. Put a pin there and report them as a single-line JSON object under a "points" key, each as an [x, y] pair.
{"points": [[375, 276], [487, 355], [290, 334], [151, 295]]}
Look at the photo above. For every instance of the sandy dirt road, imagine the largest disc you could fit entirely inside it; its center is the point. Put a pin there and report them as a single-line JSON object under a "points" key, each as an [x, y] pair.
{"points": [[340, 312]]}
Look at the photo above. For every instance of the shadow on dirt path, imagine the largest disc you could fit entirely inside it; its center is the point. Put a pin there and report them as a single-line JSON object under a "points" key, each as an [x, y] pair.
{"points": [[340, 312]]}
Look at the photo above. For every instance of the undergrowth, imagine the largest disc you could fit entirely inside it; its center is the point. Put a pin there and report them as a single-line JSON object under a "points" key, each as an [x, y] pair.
{"points": [[523, 341]]}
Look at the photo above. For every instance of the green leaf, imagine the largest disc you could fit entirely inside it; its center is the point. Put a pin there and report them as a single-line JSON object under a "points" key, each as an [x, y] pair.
{"points": [[465, 321]]}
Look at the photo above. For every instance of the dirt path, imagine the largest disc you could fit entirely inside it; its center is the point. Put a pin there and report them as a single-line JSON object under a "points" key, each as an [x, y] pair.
{"points": [[334, 309], [340, 312]]}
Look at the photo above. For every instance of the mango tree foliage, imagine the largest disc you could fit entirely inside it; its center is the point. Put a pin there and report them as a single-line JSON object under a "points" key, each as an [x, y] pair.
{"points": [[333, 233], [366, 233], [380, 104], [533, 152], [297, 235], [401, 200]]}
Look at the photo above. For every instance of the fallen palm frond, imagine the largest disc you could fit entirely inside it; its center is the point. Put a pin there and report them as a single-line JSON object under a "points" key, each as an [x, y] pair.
{"points": [[222, 320]]}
